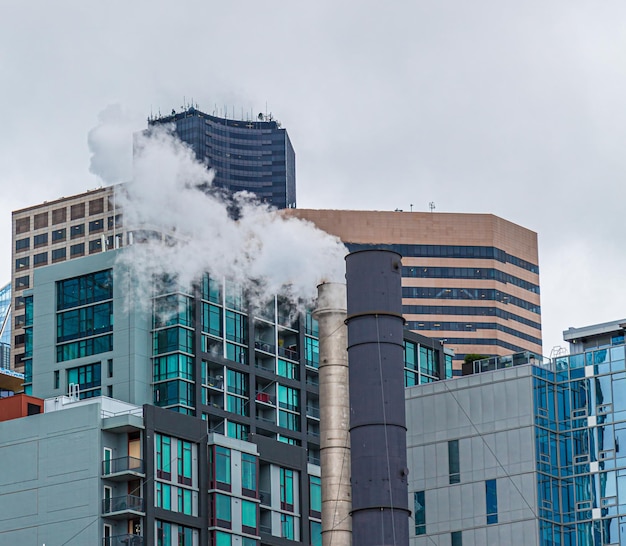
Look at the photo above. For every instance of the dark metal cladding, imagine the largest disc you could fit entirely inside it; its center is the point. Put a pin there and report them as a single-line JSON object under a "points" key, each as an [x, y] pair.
{"points": [[380, 514]]}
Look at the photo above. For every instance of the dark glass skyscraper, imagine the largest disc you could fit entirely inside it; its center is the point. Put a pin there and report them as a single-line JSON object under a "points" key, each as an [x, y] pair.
{"points": [[255, 156]]}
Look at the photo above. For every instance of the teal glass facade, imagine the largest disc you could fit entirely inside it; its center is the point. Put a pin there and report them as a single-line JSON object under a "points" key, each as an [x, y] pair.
{"points": [[580, 415]]}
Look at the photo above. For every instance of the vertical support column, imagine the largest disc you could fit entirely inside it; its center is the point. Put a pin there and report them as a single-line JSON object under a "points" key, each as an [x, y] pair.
{"points": [[380, 514], [334, 415]]}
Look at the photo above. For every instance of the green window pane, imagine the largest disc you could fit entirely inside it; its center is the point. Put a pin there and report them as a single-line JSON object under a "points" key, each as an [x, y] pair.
{"points": [[248, 513], [222, 507]]}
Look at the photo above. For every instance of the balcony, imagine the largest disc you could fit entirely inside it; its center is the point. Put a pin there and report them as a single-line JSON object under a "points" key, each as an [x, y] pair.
{"points": [[123, 540], [124, 507], [123, 469]]}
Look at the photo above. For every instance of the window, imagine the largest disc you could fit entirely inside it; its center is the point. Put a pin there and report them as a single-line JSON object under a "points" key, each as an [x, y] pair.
{"points": [[420, 513], [85, 321], [40, 259], [40, 240], [212, 319], [248, 517], [22, 225], [110, 367], [222, 468], [453, 462], [59, 216], [315, 496], [41, 220], [237, 430], [77, 231], [184, 462], [163, 448], [185, 536], [289, 370], [163, 494], [56, 379], [172, 340], [287, 489], [223, 513], [316, 533], [164, 533], [87, 378], [287, 526], [77, 250], [491, 495], [22, 282], [96, 206], [223, 539], [248, 474], [456, 538], [95, 226], [22, 263], [77, 211], [22, 244], [312, 352], [95, 246], [236, 327], [58, 255], [91, 288]]}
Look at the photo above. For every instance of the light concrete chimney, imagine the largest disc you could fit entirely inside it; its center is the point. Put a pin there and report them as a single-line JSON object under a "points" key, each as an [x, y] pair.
{"points": [[334, 415]]}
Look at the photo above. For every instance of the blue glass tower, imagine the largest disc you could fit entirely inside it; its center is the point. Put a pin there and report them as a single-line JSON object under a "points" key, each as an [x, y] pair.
{"points": [[255, 156]]}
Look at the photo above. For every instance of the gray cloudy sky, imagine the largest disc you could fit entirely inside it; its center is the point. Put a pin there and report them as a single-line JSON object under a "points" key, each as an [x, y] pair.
{"points": [[511, 108]]}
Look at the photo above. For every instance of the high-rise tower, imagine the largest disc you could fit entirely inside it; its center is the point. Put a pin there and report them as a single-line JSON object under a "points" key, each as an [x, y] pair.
{"points": [[255, 156]]}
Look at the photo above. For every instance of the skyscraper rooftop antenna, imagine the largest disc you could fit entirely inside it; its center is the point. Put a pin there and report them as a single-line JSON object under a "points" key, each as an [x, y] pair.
{"points": [[431, 206]]}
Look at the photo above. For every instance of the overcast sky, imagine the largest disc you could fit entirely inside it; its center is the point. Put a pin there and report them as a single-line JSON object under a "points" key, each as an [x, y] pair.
{"points": [[510, 108]]}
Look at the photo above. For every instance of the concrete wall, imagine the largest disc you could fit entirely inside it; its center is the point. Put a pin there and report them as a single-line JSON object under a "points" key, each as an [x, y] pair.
{"points": [[50, 478], [491, 414]]}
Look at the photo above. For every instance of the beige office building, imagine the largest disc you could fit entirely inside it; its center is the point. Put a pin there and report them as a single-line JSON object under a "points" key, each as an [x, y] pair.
{"points": [[52, 232], [469, 279]]}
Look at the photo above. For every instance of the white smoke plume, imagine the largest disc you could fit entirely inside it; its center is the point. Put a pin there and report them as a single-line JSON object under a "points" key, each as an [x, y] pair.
{"points": [[110, 143], [260, 250]]}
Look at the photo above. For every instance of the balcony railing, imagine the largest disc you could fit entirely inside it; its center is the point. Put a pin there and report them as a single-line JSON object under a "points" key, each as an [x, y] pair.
{"points": [[122, 465], [265, 497], [312, 411], [123, 540], [264, 346], [288, 353], [123, 504]]}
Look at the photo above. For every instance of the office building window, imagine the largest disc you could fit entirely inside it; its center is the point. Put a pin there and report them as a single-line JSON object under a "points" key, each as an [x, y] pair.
{"points": [[59, 235], [58, 255], [22, 225], [77, 211], [41, 220], [95, 246], [77, 231], [453, 462], [77, 250], [420, 512], [22, 282], [316, 533], [456, 538], [96, 226], [96, 206], [491, 497], [40, 259], [59, 216], [184, 462], [40, 240], [22, 263], [223, 539], [22, 244]]}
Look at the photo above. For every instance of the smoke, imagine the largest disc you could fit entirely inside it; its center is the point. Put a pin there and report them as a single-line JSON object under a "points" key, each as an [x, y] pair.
{"points": [[110, 143], [186, 230]]}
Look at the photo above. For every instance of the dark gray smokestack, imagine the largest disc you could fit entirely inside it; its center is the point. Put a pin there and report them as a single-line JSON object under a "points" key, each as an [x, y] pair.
{"points": [[380, 514]]}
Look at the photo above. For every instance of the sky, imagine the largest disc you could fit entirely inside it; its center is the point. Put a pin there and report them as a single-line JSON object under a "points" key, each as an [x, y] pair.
{"points": [[510, 108]]}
